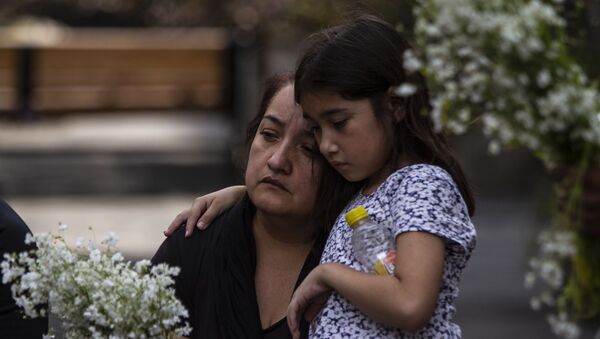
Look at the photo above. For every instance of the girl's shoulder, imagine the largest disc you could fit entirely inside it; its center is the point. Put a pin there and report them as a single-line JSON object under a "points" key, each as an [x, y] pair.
{"points": [[418, 173]]}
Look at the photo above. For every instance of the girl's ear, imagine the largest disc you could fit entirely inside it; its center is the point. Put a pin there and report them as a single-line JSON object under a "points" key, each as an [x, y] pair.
{"points": [[394, 105], [399, 113]]}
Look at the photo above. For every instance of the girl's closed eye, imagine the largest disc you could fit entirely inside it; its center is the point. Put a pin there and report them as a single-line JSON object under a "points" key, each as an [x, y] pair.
{"points": [[339, 124]]}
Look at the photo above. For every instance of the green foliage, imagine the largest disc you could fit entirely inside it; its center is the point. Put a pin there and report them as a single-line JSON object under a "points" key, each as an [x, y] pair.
{"points": [[581, 294]]}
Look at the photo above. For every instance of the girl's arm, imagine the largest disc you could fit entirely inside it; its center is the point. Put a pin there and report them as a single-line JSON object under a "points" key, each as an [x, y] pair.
{"points": [[205, 209], [405, 300]]}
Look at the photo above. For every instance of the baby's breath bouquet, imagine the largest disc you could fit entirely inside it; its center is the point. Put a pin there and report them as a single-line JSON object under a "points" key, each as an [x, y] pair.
{"points": [[95, 294], [505, 67]]}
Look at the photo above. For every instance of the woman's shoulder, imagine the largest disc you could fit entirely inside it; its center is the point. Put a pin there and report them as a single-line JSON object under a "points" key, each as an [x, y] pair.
{"points": [[232, 219], [179, 246]]}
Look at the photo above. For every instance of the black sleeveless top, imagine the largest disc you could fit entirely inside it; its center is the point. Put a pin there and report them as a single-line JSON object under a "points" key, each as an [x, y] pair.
{"points": [[216, 282]]}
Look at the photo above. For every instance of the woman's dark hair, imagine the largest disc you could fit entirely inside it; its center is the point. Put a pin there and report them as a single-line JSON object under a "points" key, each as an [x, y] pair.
{"points": [[363, 59], [333, 188], [273, 85]]}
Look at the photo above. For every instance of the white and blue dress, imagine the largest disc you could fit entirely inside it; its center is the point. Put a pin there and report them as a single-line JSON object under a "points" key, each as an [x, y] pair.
{"points": [[416, 198]]}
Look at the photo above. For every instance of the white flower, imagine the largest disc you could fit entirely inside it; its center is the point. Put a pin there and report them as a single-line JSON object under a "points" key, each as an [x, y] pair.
{"points": [[562, 327], [406, 90], [411, 63], [544, 78], [529, 279], [110, 240], [117, 257], [494, 147], [535, 304], [95, 296]]}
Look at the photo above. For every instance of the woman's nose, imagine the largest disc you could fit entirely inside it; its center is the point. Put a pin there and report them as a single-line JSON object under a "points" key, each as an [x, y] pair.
{"points": [[280, 160]]}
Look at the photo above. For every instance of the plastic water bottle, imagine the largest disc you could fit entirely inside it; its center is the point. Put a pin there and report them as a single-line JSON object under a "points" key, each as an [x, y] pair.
{"points": [[372, 243]]}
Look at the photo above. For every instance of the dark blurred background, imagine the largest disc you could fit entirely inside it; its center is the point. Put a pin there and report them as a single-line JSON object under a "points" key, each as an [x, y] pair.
{"points": [[115, 114]]}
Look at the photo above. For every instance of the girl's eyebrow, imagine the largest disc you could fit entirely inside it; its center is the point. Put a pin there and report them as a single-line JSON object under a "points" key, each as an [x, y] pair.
{"points": [[333, 111], [326, 113], [306, 116]]}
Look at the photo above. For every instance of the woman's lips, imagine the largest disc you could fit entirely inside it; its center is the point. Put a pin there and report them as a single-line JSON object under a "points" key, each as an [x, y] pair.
{"points": [[274, 182]]}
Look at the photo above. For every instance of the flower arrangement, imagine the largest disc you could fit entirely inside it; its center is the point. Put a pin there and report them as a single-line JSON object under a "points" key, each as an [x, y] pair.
{"points": [[96, 294], [556, 247], [505, 67]]}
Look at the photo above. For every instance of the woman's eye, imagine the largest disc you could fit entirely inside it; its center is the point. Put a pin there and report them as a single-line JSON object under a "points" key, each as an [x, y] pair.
{"points": [[314, 130], [339, 124], [311, 150], [268, 135]]}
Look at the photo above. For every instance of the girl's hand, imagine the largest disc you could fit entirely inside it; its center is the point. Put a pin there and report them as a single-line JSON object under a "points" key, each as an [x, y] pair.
{"points": [[309, 299], [205, 209]]}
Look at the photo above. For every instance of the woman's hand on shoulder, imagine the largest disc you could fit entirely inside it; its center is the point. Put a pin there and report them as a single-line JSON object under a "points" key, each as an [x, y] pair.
{"points": [[205, 209]]}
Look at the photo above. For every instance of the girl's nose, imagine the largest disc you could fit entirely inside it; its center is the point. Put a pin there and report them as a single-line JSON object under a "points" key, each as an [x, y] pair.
{"points": [[327, 145], [280, 160]]}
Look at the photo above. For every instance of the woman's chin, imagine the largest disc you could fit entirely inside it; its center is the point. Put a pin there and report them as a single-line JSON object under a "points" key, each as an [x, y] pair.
{"points": [[275, 206], [272, 206]]}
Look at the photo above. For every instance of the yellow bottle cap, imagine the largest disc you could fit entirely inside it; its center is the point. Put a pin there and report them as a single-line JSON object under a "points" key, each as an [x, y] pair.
{"points": [[356, 214]]}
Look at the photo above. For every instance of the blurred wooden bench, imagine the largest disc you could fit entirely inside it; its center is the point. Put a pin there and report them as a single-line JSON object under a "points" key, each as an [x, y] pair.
{"points": [[7, 80], [117, 69]]}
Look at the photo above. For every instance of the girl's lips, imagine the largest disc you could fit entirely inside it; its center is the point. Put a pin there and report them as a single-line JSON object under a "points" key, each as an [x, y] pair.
{"points": [[338, 164]]}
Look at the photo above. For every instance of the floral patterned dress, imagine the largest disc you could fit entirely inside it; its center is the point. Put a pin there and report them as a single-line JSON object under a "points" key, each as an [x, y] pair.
{"points": [[417, 198]]}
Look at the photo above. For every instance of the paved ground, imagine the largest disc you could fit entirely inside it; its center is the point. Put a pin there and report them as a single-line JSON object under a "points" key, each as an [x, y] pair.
{"points": [[493, 303]]}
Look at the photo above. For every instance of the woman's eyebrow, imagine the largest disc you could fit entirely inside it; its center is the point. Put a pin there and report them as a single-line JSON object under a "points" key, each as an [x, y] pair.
{"points": [[274, 120]]}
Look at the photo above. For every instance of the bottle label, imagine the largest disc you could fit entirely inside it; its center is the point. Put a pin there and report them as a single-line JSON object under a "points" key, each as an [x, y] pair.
{"points": [[386, 263]]}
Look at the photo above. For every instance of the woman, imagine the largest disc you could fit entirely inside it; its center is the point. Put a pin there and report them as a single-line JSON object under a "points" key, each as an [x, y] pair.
{"points": [[237, 278]]}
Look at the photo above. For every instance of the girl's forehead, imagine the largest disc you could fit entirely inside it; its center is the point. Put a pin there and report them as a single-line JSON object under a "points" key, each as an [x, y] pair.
{"points": [[322, 104]]}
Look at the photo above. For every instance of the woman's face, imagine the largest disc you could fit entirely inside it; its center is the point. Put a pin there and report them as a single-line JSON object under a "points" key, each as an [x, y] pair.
{"points": [[283, 169]]}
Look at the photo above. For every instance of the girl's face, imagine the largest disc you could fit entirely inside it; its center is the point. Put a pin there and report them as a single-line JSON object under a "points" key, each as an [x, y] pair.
{"points": [[282, 172], [349, 136]]}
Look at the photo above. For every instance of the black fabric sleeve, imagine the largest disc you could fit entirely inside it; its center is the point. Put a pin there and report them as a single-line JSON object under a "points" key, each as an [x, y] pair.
{"points": [[168, 252], [172, 252]]}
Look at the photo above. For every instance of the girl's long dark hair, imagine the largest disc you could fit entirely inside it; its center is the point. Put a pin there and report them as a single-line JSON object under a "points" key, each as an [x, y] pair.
{"points": [[363, 59]]}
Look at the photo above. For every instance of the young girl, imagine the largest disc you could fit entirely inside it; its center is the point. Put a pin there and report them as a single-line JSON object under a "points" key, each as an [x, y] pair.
{"points": [[345, 83]]}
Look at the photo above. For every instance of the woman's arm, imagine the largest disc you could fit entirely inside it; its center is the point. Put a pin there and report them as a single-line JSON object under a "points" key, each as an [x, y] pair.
{"points": [[205, 209], [405, 300]]}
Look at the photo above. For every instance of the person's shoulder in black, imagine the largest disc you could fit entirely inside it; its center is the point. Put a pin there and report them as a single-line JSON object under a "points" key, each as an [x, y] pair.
{"points": [[216, 280], [12, 240]]}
